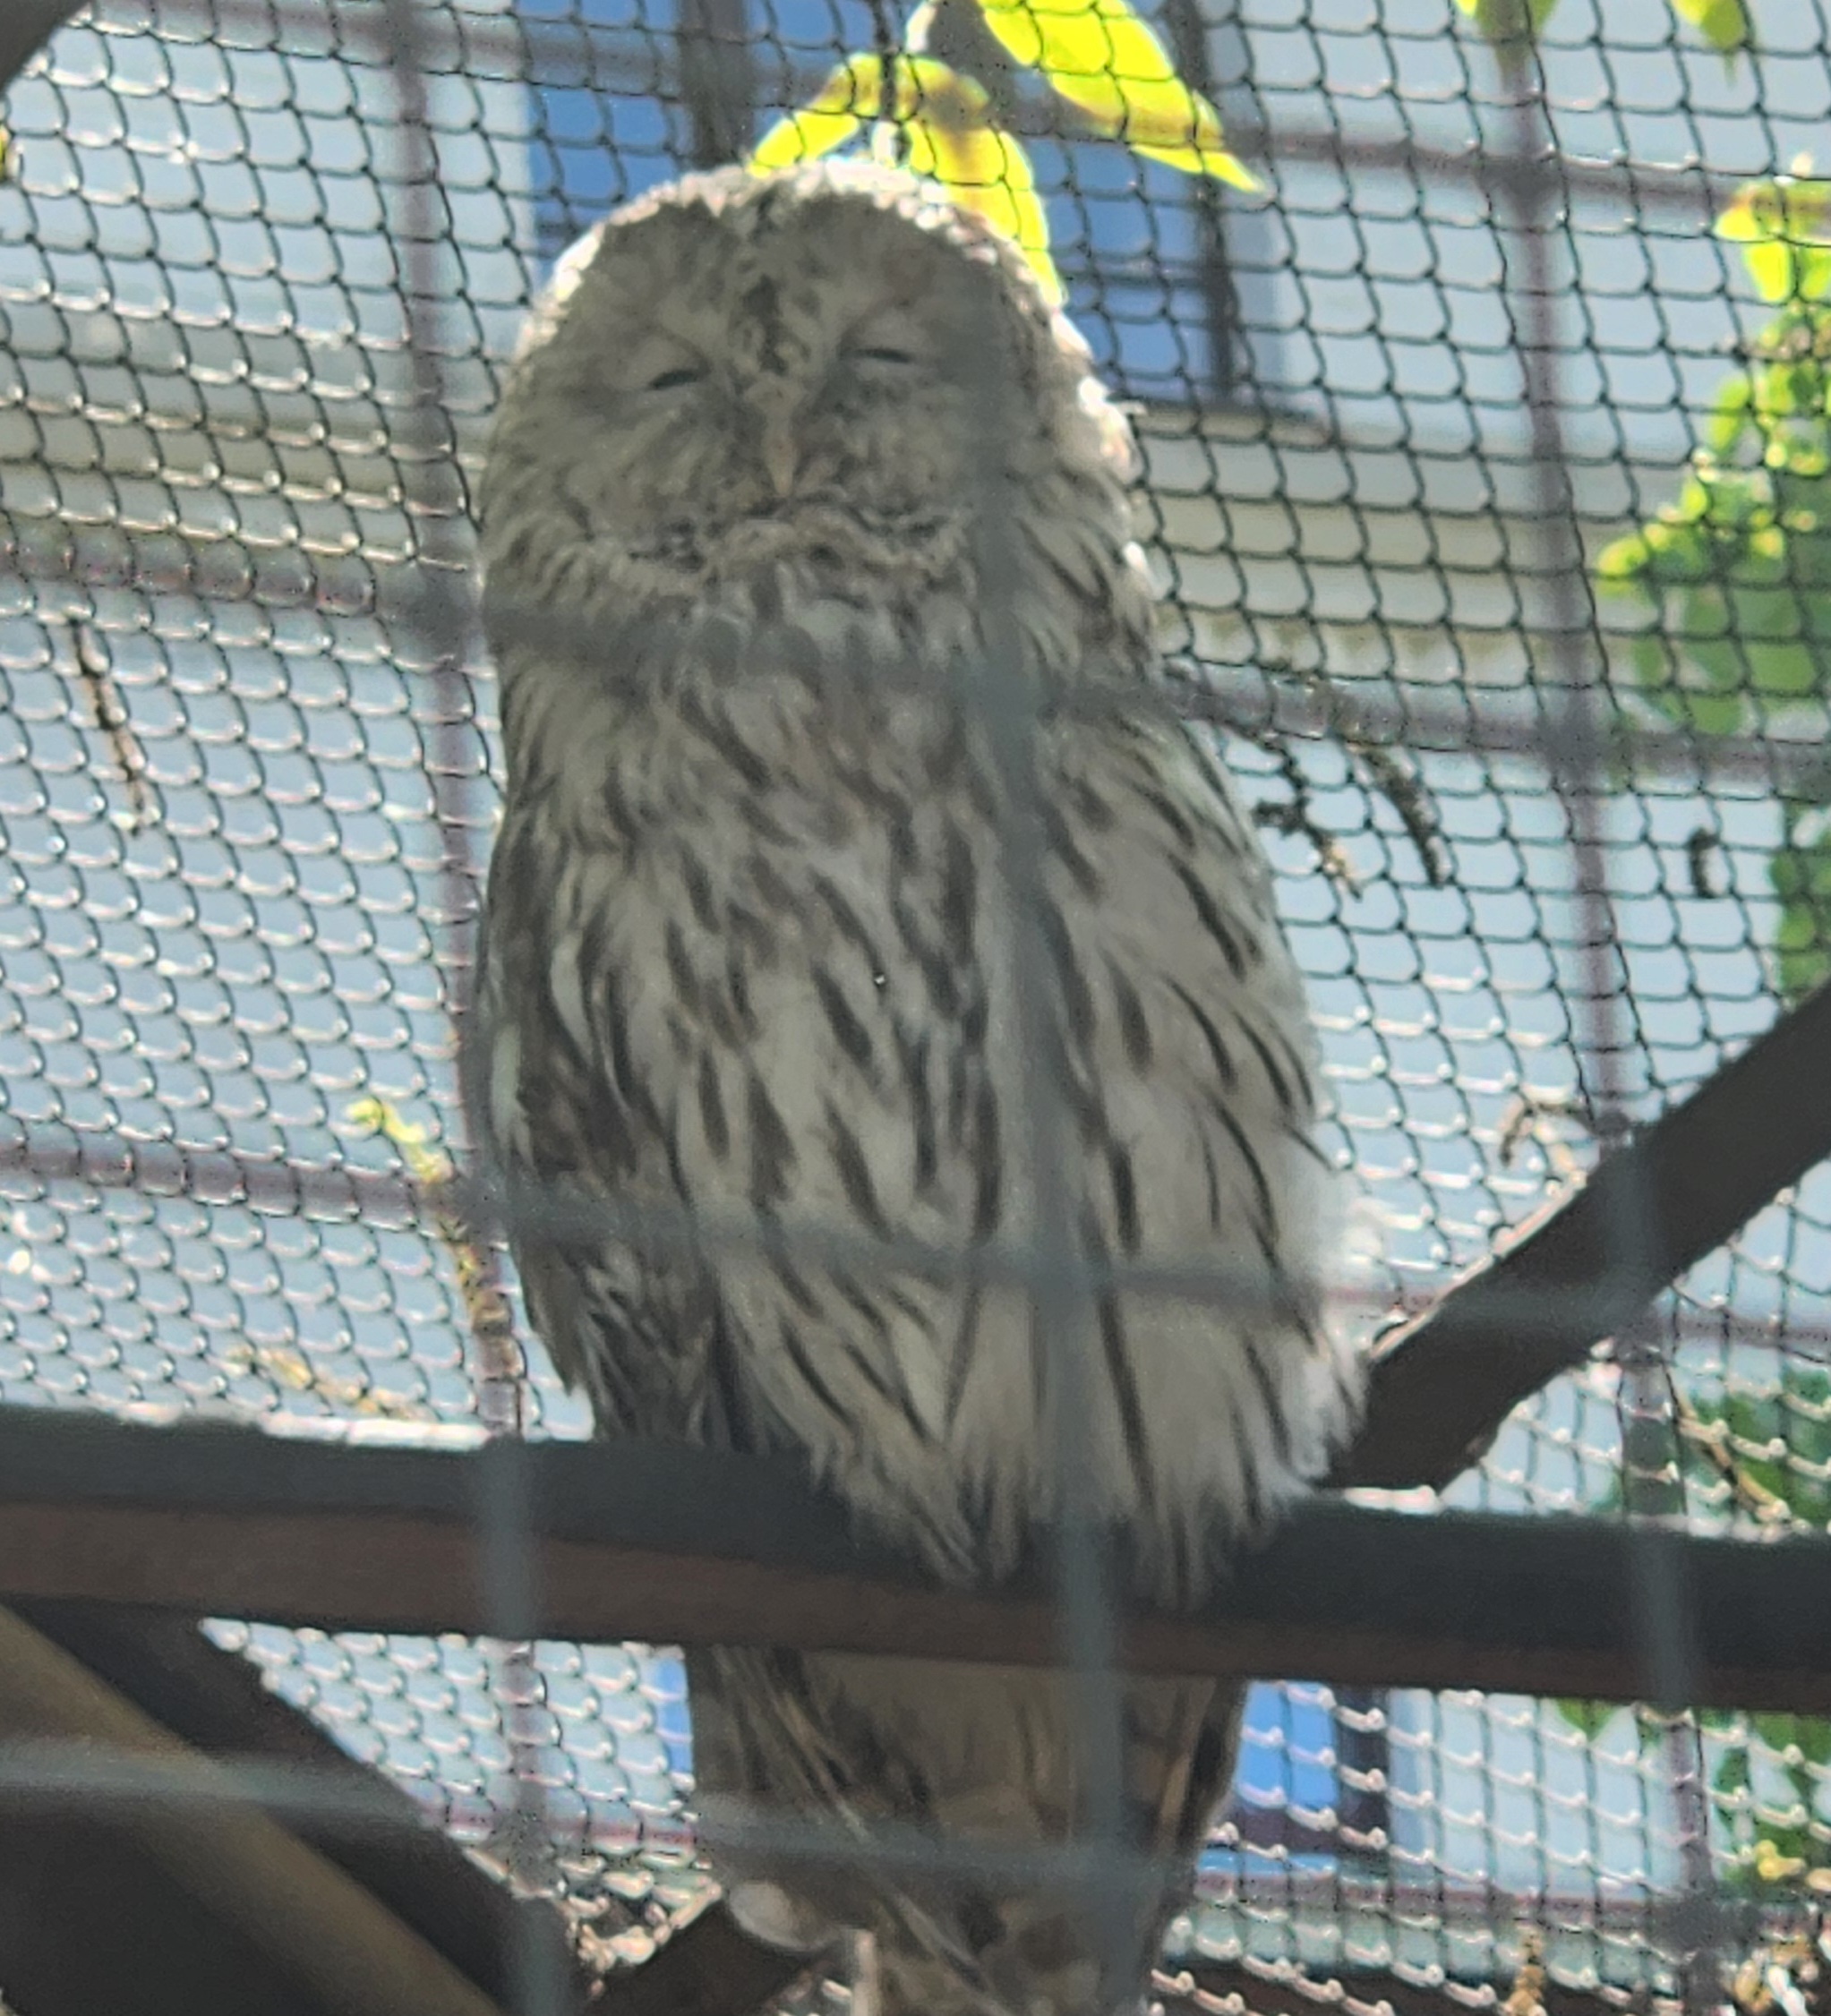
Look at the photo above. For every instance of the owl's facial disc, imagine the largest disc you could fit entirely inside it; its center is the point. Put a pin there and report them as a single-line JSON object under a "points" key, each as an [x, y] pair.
{"points": [[739, 391], [788, 432], [749, 385]]}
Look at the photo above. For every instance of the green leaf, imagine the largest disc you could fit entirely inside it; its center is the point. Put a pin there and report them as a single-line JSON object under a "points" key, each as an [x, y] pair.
{"points": [[952, 140], [1807, 1734], [1678, 547], [1725, 24], [1783, 671], [1729, 416], [1782, 224], [1509, 20], [1104, 58], [851, 95], [1800, 873], [951, 137], [1623, 561], [1589, 1717], [1653, 668], [1733, 1772], [1770, 265]]}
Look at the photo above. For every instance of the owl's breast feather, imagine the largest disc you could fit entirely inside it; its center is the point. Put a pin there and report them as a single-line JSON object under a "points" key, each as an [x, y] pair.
{"points": [[779, 934]]}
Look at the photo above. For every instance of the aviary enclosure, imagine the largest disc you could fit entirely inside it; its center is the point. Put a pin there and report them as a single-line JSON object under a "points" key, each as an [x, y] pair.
{"points": [[1481, 367]]}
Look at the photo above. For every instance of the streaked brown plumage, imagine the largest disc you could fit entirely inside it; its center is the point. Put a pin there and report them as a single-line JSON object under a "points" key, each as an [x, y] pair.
{"points": [[749, 957]]}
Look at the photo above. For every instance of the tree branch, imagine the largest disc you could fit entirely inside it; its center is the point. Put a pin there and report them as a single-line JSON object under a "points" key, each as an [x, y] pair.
{"points": [[364, 1825], [1590, 1265], [25, 27]]}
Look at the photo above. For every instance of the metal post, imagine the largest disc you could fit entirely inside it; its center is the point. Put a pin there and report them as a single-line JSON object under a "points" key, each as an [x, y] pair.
{"points": [[1221, 301], [718, 81]]}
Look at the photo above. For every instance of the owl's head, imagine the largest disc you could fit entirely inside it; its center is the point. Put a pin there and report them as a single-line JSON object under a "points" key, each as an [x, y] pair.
{"points": [[816, 377]]}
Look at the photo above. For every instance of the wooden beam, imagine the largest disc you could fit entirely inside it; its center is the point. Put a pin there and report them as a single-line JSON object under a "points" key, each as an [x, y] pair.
{"points": [[636, 1541], [25, 27], [326, 1931], [358, 1819]]}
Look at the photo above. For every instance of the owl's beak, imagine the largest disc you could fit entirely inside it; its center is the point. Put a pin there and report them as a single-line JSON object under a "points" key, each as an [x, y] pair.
{"points": [[782, 460]]}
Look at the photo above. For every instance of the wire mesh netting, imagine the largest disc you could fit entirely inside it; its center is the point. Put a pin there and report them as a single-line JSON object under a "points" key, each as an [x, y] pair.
{"points": [[239, 802]]}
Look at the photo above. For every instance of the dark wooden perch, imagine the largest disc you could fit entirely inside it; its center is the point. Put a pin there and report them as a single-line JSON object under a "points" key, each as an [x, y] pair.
{"points": [[296, 1931], [639, 1540]]}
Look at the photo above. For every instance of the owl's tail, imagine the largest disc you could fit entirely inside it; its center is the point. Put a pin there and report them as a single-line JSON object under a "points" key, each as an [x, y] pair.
{"points": [[941, 1811], [1041, 1956]]}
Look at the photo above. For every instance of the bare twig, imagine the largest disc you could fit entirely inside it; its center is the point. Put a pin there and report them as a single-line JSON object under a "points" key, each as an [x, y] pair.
{"points": [[109, 713], [1701, 845], [1534, 1116], [1296, 814]]}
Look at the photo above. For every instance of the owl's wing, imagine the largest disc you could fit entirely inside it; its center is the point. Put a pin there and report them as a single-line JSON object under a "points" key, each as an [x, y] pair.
{"points": [[613, 1286]]}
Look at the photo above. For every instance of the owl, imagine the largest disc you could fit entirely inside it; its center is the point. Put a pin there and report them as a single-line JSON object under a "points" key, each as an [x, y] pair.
{"points": [[867, 935]]}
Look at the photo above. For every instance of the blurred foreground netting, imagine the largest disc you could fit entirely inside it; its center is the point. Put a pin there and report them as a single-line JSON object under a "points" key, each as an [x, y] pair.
{"points": [[224, 890]]}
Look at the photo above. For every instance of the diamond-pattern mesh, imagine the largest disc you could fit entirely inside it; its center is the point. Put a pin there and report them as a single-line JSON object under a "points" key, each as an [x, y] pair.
{"points": [[233, 787]]}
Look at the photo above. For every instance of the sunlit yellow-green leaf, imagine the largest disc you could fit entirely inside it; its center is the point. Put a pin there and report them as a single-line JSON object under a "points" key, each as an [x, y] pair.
{"points": [[378, 1115], [1622, 561], [1509, 20], [1725, 24], [1104, 58], [851, 95], [1794, 207], [1785, 226], [947, 121], [952, 140]]}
